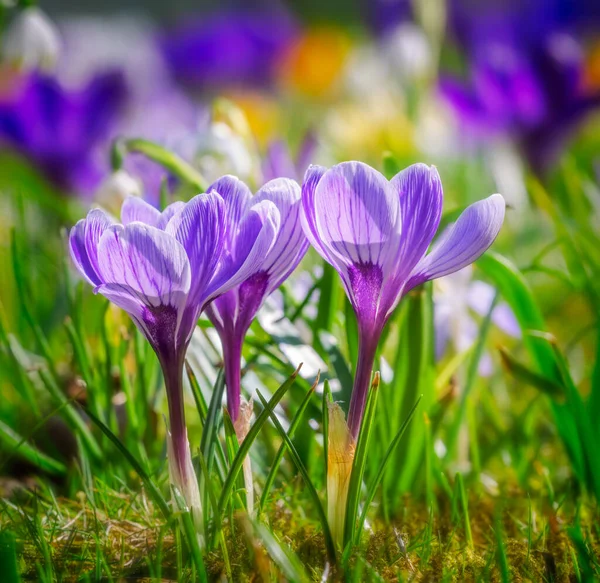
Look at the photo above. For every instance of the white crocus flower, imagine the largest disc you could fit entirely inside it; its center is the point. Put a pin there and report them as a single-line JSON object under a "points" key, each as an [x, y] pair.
{"points": [[32, 41]]}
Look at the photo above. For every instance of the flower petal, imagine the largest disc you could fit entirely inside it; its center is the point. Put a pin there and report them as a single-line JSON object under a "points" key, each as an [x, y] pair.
{"points": [[200, 228], [251, 245], [136, 209], [463, 242], [169, 213], [145, 265], [291, 244], [357, 215], [237, 197], [421, 199], [83, 243], [312, 178]]}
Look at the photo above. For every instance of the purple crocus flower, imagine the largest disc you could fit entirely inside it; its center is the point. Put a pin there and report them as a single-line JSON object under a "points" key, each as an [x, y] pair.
{"points": [[535, 98], [163, 269], [233, 312], [385, 15], [63, 131], [455, 298], [229, 48], [376, 233], [279, 162]]}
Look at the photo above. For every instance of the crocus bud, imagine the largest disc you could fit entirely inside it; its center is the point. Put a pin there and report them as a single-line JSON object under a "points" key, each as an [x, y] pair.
{"points": [[242, 426], [183, 477], [340, 457], [32, 41], [113, 191]]}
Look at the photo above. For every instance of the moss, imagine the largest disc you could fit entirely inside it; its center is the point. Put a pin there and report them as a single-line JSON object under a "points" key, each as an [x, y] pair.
{"points": [[133, 540]]}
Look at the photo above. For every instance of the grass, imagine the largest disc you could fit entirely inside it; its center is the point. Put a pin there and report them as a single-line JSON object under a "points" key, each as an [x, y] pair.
{"points": [[457, 476]]}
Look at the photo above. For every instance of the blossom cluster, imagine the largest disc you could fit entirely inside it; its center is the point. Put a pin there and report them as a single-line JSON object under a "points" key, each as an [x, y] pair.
{"points": [[225, 251]]}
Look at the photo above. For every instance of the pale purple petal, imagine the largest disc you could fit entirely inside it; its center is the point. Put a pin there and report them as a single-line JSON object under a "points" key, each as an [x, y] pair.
{"points": [[136, 209], [505, 319], [237, 197], [312, 178], [200, 228], [306, 153], [144, 264], [252, 244], [480, 296], [291, 243], [357, 215], [420, 191], [278, 162], [169, 213], [486, 365], [465, 241], [83, 243]]}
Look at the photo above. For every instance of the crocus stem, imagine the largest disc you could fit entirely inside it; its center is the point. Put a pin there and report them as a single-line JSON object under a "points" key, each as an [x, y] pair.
{"points": [[240, 412], [232, 358], [367, 347], [180, 462]]}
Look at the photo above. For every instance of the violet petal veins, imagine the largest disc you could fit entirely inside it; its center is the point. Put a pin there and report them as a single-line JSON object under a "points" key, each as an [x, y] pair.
{"points": [[163, 269], [376, 234], [278, 203]]}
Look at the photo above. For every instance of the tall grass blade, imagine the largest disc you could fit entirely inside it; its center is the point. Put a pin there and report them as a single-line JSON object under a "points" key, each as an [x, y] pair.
{"points": [[152, 489], [280, 452], [360, 462], [381, 471], [329, 543]]}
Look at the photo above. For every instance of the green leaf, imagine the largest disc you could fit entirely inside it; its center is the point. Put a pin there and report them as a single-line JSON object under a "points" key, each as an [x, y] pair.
{"points": [[153, 490], [523, 373], [237, 462], [191, 535], [167, 159], [329, 544], [359, 463], [279, 456], [284, 558], [380, 472], [516, 292], [8, 558], [12, 440]]}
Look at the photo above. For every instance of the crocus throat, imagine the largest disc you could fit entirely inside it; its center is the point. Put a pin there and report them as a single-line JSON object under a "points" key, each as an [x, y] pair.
{"points": [[366, 280], [236, 315]]}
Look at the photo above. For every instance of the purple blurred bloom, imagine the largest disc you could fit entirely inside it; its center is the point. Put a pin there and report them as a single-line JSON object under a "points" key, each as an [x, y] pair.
{"points": [[63, 131], [376, 234], [516, 22], [229, 48], [533, 97], [385, 15], [279, 162], [163, 269], [455, 297], [232, 313]]}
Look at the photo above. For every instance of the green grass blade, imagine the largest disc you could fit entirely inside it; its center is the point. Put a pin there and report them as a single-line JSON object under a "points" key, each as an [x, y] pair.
{"points": [[8, 558], [176, 165], [380, 472], [244, 448], [11, 439], [191, 536], [284, 558], [279, 456], [153, 490], [359, 463], [329, 543], [72, 416]]}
